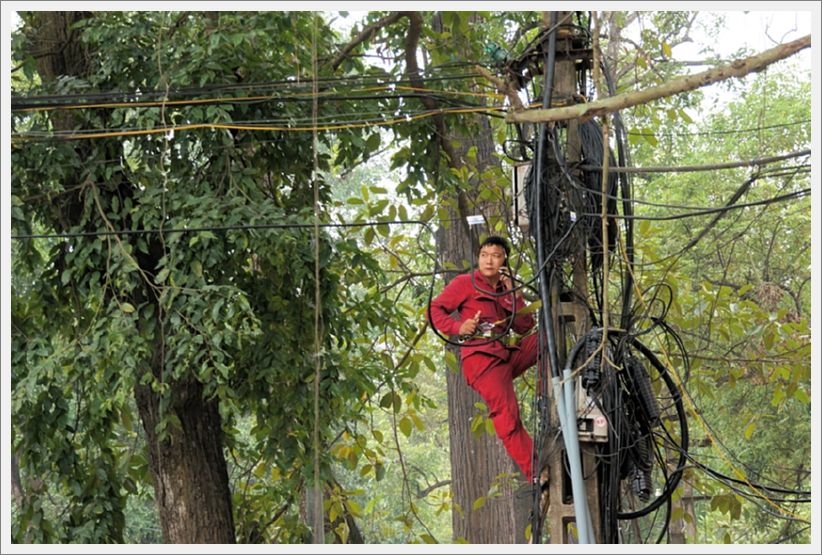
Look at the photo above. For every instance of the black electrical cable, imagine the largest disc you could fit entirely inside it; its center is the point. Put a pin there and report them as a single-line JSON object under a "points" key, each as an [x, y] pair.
{"points": [[695, 214], [673, 479], [210, 228], [544, 284], [627, 207], [751, 484], [19, 103]]}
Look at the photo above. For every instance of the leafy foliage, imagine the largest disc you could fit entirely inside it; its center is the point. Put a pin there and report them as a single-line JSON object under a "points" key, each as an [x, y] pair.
{"points": [[98, 316]]}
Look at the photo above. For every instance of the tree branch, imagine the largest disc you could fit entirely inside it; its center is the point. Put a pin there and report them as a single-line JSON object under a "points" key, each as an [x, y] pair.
{"points": [[735, 197], [737, 68], [424, 492], [364, 35], [413, 70], [506, 88]]}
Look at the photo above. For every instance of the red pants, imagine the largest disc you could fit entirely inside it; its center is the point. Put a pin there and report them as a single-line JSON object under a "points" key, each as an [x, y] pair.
{"points": [[493, 379]]}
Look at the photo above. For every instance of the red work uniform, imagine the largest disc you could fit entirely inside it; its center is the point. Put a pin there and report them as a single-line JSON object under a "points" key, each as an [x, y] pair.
{"points": [[490, 369]]}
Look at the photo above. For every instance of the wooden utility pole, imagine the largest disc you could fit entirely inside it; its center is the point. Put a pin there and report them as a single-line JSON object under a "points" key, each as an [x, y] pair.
{"points": [[570, 317]]}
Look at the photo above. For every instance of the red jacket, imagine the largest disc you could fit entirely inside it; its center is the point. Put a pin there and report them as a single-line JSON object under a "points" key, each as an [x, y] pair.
{"points": [[461, 295]]}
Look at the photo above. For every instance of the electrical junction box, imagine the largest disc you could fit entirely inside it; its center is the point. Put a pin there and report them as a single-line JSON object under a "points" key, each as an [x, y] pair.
{"points": [[593, 426], [520, 207]]}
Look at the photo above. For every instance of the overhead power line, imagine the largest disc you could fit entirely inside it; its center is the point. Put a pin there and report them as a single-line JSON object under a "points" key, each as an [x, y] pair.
{"points": [[781, 198], [95, 99], [718, 131], [705, 167], [77, 234], [99, 134]]}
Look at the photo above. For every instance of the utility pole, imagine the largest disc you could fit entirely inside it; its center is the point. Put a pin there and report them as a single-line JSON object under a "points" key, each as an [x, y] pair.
{"points": [[570, 317]]}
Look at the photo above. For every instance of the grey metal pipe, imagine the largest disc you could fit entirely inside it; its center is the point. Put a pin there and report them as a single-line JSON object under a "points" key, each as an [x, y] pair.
{"points": [[581, 513]]}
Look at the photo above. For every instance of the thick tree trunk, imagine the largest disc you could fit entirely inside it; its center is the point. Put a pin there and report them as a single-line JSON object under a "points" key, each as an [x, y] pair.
{"points": [[189, 469], [475, 462]]}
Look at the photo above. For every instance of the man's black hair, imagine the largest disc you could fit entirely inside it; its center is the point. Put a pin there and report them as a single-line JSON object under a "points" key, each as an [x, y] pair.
{"points": [[499, 241]]}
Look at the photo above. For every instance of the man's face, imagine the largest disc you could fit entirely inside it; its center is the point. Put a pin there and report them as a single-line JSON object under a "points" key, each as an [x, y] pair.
{"points": [[491, 259]]}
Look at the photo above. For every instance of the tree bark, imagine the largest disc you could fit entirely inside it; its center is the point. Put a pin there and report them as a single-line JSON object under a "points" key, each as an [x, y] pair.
{"points": [[189, 469], [16, 482], [475, 461]]}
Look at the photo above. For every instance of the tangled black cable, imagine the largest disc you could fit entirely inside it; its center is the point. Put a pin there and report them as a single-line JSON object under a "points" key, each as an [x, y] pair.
{"points": [[639, 444]]}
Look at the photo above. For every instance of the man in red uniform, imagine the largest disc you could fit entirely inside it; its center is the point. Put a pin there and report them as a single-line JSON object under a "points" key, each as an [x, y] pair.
{"points": [[483, 307]]}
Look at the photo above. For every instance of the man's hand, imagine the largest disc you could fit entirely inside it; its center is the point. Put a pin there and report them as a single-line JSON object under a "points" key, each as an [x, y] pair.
{"points": [[469, 326], [505, 278]]}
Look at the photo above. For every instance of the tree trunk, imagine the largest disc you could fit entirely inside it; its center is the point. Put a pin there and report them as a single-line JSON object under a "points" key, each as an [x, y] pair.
{"points": [[188, 466], [475, 462], [189, 469], [16, 482]]}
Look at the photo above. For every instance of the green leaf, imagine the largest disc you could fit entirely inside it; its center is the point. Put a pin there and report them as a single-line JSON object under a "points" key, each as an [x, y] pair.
{"points": [[127, 308], [649, 136], [428, 539], [768, 338], [533, 307], [480, 501], [749, 430], [802, 396], [417, 422], [353, 507], [406, 426], [451, 361], [735, 508]]}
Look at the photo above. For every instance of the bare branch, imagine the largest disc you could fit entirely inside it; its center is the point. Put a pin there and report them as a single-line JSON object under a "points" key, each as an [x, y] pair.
{"points": [[737, 68], [735, 197], [423, 492]]}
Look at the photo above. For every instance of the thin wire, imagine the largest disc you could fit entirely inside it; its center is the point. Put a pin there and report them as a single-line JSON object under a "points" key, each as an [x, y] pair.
{"points": [[19, 103], [312, 96], [788, 196], [214, 228], [719, 131], [317, 509], [22, 137]]}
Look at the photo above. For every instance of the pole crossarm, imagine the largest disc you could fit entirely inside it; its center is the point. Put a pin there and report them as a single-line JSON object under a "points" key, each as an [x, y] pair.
{"points": [[737, 68]]}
